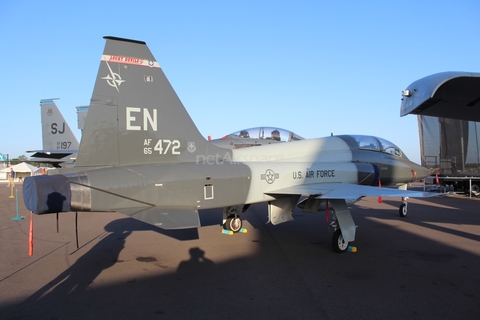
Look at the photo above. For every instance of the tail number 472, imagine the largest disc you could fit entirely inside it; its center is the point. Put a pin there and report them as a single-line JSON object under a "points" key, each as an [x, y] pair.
{"points": [[165, 146]]}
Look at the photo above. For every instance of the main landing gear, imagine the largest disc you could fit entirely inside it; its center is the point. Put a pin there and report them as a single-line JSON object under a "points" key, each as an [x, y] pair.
{"points": [[339, 245], [342, 224]]}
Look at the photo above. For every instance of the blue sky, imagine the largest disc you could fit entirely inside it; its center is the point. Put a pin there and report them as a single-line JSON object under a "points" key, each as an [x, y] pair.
{"points": [[313, 67]]}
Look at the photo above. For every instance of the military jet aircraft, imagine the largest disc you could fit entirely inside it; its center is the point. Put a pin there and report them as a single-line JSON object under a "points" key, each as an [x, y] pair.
{"points": [[258, 136], [142, 155], [255, 137], [59, 143]]}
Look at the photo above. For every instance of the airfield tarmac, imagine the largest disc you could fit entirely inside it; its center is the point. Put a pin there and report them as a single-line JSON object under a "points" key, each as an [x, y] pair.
{"points": [[424, 266]]}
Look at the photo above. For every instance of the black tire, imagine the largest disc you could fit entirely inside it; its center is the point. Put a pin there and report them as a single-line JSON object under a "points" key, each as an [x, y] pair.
{"points": [[233, 224], [338, 244], [402, 211], [475, 188]]}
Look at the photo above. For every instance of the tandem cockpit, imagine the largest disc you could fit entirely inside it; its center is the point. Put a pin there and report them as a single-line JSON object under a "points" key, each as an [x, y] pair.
{"points": [[256, 137], [268, 133]]}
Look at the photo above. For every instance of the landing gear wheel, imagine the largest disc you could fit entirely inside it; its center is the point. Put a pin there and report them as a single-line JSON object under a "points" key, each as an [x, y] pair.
{"points": [[233, 224], [338, 244], [402, 211]]}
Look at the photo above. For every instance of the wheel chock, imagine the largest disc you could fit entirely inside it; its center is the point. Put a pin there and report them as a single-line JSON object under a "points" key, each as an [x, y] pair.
{"points": [[229, 232], [352, 249]]}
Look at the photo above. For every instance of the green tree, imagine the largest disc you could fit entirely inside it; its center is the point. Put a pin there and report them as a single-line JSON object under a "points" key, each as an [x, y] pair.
{"points": [[19, 159]]}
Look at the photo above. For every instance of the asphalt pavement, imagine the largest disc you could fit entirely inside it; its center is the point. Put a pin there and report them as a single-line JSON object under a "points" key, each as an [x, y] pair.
{"points": [[423, 266]]}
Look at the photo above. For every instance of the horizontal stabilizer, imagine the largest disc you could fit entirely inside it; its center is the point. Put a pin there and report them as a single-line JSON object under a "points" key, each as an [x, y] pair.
{"points": [[51, 154], [348, 191], [165, 218]]}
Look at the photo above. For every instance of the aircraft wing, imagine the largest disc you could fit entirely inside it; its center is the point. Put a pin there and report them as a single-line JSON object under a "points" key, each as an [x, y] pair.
{"points": [[347, 191], [165, 218]]}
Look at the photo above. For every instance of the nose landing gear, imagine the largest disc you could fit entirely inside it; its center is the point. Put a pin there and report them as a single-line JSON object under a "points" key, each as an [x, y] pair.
{"points": [[403, 209]]}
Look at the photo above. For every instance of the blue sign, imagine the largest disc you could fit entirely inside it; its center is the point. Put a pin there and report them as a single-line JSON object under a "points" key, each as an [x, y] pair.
{"points": [[3, 157]]}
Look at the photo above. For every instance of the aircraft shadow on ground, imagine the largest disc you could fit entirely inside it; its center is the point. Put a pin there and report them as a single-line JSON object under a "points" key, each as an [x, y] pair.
{"points": [[277, 282], [137, 225], [70, 293]]}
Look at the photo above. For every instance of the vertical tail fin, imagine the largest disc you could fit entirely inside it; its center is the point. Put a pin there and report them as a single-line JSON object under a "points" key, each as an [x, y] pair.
{"points": [[56, 134], [135, 116]]}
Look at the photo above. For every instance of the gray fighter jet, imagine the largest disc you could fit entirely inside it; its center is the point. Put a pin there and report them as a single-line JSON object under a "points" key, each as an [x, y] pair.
{"points": [[60, 145], [142, 155]]}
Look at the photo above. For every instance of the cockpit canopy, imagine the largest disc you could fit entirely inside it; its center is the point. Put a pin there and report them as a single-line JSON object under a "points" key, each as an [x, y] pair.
{"points": [[359, 142], [375, 144], [268, 133]]}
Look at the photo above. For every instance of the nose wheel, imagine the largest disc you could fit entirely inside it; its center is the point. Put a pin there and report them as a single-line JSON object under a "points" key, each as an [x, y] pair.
{"points": [[403, 209]]}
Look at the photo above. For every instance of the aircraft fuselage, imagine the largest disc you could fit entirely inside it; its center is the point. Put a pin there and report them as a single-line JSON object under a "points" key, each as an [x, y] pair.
{"points": [[230, 179]]}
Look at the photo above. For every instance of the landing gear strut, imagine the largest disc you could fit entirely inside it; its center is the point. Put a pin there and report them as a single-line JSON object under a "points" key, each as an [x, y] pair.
{"points": [[342, 224], [339, 245]]}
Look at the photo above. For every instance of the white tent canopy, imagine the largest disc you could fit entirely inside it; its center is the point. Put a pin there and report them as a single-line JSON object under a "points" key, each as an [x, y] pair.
{"points": [[21, 167], [21, 170]]}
